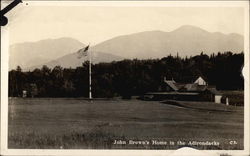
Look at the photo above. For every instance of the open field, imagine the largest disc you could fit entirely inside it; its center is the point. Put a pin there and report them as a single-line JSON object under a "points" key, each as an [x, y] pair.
{"points": [[80, 124]]}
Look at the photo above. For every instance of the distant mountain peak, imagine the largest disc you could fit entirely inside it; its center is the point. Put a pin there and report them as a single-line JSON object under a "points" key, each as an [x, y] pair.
{"points": [[190, 28]]}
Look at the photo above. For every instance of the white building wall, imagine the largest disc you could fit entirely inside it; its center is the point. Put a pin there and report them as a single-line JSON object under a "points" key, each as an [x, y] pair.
{"points": [[217, 98]]}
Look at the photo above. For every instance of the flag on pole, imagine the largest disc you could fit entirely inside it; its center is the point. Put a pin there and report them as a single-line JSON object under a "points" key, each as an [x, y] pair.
{"points": [[83, 52]]}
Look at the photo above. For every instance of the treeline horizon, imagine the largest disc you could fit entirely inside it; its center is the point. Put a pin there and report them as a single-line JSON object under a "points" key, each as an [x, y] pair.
{"points": [[129, 77]]}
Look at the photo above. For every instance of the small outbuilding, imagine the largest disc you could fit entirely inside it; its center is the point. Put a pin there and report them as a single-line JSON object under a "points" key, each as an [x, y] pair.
{"points": [[211, 94], [24, 94]]}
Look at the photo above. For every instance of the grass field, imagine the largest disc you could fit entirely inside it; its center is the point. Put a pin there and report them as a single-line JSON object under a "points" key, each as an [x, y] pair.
{"points": [[81, 124]]}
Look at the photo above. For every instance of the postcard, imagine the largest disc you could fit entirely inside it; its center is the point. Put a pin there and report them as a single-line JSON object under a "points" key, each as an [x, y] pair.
{"points": [[125, 77]]}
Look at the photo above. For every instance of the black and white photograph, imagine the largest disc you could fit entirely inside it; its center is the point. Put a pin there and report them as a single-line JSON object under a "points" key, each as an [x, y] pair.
{"points": [[125, 76]]}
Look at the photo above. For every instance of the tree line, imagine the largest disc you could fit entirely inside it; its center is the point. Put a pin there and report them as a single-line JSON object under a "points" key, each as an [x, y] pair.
{"points": [[129, 77]]}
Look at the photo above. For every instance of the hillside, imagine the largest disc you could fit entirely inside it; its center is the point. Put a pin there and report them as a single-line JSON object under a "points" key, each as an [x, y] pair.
{"points": [[72, 60], [35, 53]]}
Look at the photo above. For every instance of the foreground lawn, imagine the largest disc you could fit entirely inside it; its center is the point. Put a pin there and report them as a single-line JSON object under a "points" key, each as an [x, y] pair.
{"points": [[75, 123]]}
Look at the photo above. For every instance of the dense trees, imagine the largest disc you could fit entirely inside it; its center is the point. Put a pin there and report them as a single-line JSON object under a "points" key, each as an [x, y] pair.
{"points": [[129, 77]]}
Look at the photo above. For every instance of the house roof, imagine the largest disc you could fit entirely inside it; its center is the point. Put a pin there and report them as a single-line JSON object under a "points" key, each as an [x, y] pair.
{"points": [[201, 78], [191, 87], [194, 87], [171, 83], [214, 91], [179, 85]]}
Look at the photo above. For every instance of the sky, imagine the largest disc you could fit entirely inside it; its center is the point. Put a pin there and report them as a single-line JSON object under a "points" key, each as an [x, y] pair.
{"points": [[94, 24]]}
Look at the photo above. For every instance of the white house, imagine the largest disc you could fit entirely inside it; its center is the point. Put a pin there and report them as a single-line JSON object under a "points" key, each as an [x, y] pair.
{"points": [[201, 82], [200, 87]]}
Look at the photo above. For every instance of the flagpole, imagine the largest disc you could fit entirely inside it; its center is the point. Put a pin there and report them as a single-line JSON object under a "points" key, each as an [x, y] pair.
{"points": [[90, 91]]}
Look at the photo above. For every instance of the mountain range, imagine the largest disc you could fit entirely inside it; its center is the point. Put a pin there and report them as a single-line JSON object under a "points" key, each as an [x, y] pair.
{"points": [[186, 41]]}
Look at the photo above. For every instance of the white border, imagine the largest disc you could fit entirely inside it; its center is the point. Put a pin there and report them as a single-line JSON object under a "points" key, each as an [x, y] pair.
{"points": [[4, 77], [4, 87]]}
